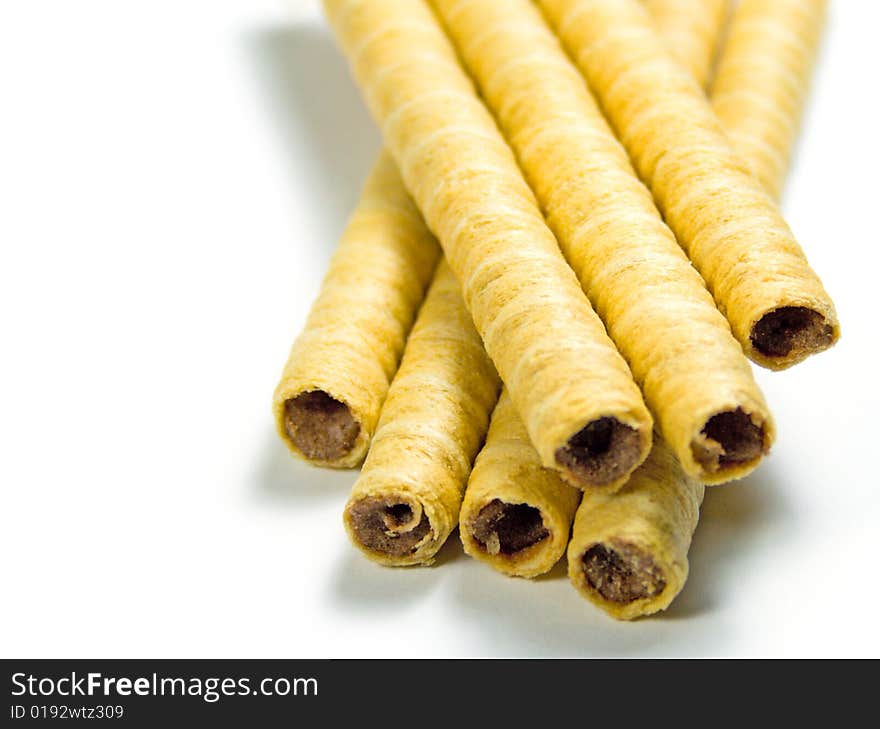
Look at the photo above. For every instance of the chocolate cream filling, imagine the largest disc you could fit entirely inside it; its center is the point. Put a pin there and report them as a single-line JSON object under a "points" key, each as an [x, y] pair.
{"points": [[322, 428], [622, 572], [601, 452], [388, 525], [791, 330], [728, 439], [502, 528]]}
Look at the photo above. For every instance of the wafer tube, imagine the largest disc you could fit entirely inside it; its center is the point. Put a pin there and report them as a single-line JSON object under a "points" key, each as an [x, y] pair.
{"points": [[694, 376], [331, 391], [691, 30], [407, 499], [762, 81], [730, 228], [516, 515], [628, 554], [574, 391]]}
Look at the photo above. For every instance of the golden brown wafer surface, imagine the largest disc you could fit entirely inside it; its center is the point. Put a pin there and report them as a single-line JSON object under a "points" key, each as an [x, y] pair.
{"points": [[691, 30], [762, 81]]}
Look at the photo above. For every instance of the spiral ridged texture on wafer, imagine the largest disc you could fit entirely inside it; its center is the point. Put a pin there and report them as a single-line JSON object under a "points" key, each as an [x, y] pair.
{"points": [[691, 29], [694, 376], [574, 391], [762, 81], [617, 563], [516, 514], [729, 226], [334, 383], [407, 499], [628, 553]]}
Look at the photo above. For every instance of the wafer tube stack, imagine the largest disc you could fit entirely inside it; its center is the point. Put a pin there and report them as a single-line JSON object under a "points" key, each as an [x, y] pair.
{"points": [[632, 521]]}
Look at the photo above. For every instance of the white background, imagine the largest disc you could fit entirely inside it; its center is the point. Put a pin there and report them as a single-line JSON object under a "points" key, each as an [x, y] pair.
{"points": [[173, 178]]}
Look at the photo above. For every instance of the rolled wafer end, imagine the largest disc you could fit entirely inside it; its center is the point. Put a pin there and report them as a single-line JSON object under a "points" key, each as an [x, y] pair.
{"points": [[516, 515], [730, 445], [322, 429], [603, 453], [787, 335], [628, 550], [624, 577], [392, 529]]}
